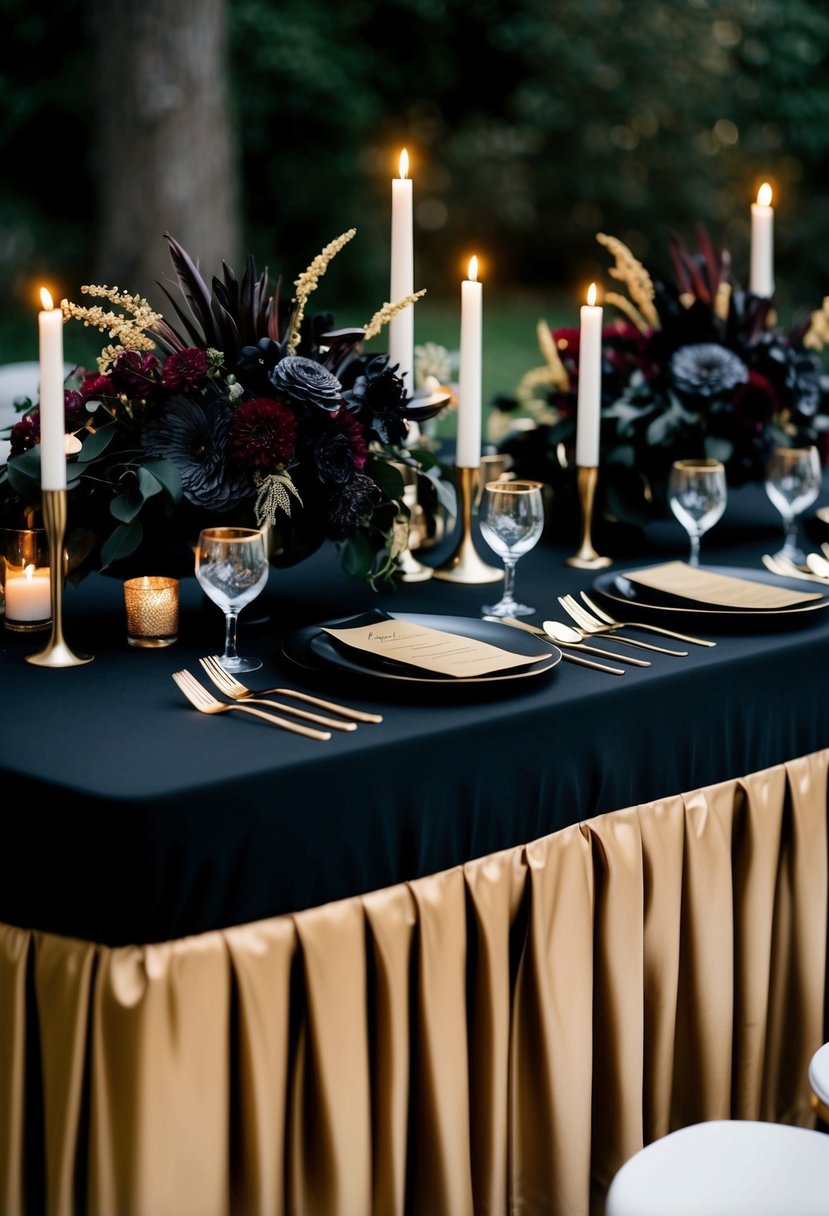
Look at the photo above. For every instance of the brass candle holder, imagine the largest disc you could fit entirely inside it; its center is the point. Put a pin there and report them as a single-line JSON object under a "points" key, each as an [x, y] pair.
{"points": [[587, 558], [56, 653], [465, 565]]}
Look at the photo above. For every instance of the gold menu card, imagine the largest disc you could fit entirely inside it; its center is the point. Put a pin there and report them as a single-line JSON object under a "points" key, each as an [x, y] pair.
{"points": [[434, 650], [720, 590]]}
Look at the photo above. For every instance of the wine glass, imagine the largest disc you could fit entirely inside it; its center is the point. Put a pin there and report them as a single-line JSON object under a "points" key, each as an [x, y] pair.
{"points": [[697, 494], [793, 482], [232, 568], [511, 519]]}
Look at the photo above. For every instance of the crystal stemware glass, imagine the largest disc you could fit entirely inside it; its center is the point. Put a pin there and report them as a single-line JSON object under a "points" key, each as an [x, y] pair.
{"points": [[232, 568], [793, 481], [697, 494], [511, 519]]}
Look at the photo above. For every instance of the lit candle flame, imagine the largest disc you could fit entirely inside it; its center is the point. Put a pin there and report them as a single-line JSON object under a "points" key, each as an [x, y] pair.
{"points": [[473, 270], [46, 299], [404, 163], [764, 195], [29, 572], [591, 295]]}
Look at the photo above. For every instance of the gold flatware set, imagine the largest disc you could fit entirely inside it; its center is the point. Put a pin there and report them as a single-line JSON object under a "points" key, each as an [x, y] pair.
{"points": [[245, 699]]}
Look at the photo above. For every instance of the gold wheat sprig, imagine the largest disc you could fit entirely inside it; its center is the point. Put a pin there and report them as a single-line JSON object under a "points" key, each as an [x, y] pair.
{"points": [[309, 280], [129, 331], [547, 343], [817, 335], [385, 314], [630, 271]]}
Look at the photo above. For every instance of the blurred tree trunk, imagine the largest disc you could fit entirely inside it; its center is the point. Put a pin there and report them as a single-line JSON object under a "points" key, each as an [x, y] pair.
{"points": [[166, 156]]}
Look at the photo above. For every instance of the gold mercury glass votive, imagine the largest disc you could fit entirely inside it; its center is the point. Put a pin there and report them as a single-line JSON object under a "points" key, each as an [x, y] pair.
{"points": [[152, 610]]}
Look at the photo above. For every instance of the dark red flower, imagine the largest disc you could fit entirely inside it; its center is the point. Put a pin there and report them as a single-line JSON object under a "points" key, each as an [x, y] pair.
{"points": [[94, 386], [262, 433], [354, 434], [755, 401], [185, 369], [24, 434], [135, 374]]}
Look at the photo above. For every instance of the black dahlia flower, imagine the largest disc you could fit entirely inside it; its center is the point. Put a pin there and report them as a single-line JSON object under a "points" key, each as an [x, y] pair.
{"points": [[707, 370], [194, 437], [262, 433], [351, 505], [254, 365], [302, 381], [378, 398]]}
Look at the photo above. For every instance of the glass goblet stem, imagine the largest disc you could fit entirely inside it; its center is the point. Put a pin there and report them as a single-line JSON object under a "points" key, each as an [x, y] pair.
{"points": [[509, 580], [693, 560], [231, 621]]}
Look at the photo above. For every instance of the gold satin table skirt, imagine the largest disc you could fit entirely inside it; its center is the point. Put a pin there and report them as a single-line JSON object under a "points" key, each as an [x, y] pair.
{"points": [[494, 1039]]}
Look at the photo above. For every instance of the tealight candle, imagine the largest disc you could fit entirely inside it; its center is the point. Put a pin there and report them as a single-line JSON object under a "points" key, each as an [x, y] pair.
{"points": [[51, 408], [28, 595], [589, 403], [401, 325], [468, 451], [761, 280]]}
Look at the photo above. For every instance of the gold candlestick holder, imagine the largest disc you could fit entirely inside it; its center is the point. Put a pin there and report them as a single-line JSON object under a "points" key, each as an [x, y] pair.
{"points": [[465, 565], [587, 558], [56, 653]]}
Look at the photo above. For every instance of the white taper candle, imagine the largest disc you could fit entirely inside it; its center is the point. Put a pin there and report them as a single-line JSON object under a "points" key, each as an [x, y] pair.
{"points": [[761, 280], [588, 419], [468, 451], [401, 326], [51, 407]]}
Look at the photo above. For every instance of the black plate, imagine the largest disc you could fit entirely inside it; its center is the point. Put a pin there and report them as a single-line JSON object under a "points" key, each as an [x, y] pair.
{"points": [[316, 650], [652, 605]]}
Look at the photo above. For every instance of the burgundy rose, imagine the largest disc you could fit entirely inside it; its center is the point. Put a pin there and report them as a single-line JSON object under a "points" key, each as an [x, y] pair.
{"points": [[185, 369], [262, 433]]}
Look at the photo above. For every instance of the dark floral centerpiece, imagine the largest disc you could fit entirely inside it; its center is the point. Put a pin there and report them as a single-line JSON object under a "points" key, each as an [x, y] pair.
{"points": [[693, 367], [238, 407]]}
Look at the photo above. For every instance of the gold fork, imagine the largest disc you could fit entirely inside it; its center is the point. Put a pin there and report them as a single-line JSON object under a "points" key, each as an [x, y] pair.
{"points": [[227, 684], [668, 633], [240, 692], [206, 703], [590, 624]]}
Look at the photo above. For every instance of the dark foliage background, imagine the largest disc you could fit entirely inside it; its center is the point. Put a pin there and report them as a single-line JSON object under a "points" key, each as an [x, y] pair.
{"points": [[530, 127]]}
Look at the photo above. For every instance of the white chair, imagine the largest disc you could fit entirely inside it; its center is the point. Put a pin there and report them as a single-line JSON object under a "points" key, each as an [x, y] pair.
{"points": [[732, 1167]]}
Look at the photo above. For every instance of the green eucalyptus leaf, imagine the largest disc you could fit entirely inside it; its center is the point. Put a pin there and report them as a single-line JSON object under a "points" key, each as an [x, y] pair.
{"points": [[388, 478], [121, 543], [357, 555], [125, 507], [95, 443], [148, 483], [167, 474]]}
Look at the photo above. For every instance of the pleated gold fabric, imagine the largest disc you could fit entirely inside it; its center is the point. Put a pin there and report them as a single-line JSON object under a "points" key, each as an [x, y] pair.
{"points": [[494, 1040]]}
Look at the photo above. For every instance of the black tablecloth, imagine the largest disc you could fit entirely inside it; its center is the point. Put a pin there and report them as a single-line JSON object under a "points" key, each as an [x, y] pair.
{"points": [[127, 817]]}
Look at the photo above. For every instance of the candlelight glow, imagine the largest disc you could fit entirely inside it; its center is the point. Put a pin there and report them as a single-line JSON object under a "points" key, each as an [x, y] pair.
{"points": [[591, 295], [46, 300], [764, 195], [473, 270], [404, 163], [28, 572]]}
